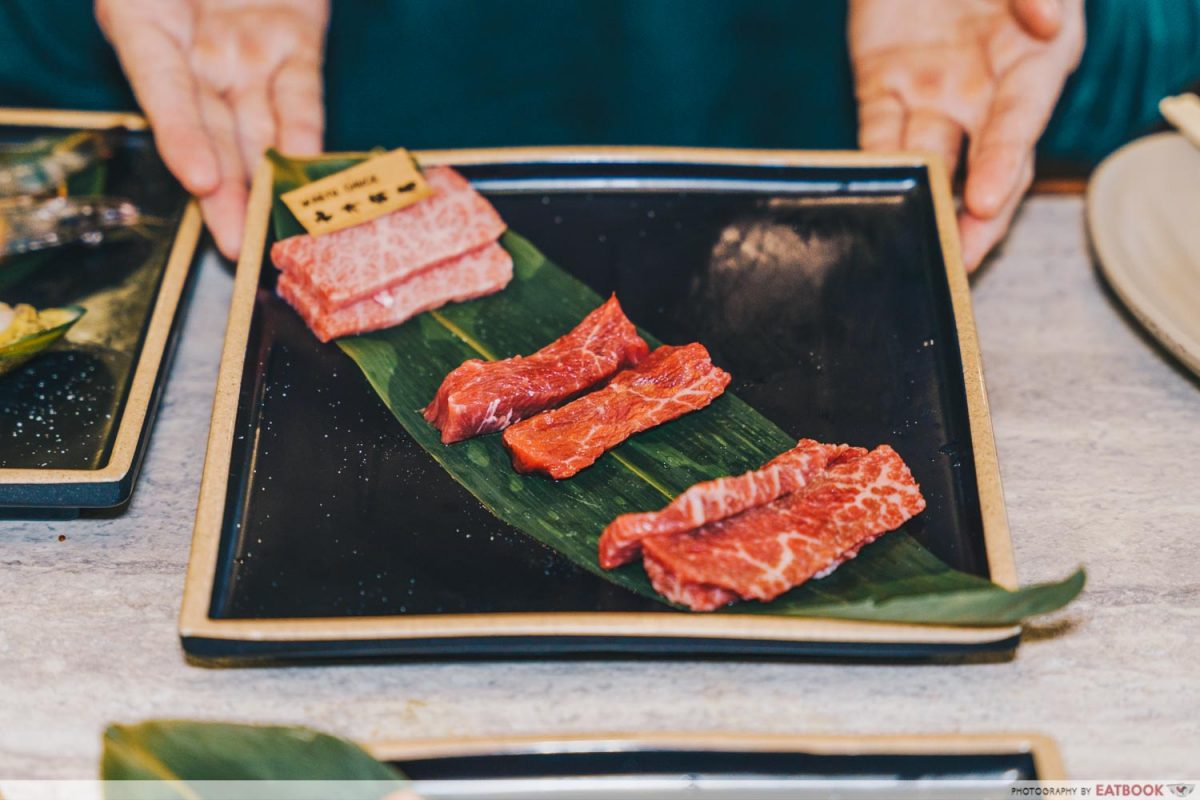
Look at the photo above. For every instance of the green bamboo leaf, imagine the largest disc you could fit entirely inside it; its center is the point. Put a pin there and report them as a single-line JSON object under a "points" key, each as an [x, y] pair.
{"points": [[172, 760], [895, 579]]}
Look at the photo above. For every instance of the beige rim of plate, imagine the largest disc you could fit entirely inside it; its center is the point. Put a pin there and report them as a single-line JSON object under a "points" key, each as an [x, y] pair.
{"points": [[1143, 213]]}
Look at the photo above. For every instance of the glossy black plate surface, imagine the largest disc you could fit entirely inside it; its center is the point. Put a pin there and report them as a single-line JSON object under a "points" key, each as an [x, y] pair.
{"points": [[822, 290], [67, 409]]}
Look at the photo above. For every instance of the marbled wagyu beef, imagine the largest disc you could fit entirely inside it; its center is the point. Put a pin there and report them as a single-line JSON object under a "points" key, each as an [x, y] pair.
{"points": [[711, 501], [358, 263], [670, 382], [764, 550], [378, 274], [480, 397], [475, 274]]}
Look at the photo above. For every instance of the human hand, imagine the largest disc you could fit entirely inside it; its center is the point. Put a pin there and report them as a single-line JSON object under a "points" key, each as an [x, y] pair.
{"points": [[929, 72], [221, 81]]}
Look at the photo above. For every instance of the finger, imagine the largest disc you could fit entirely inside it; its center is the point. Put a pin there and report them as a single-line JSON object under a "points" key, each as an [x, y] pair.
{"points": [[980, 236], [167, 93], [1040, 18], [223, 211], [881, 123], [256, 128], [933, 133], [299, 106], [1018, 114], [225, 207]]}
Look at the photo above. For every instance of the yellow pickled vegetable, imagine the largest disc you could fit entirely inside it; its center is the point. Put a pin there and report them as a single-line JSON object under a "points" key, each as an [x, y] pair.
{"points": [[21, 321], [25, 331]]}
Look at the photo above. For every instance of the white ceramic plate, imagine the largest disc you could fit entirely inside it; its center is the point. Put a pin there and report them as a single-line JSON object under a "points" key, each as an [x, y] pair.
{"points": [[1143, 211]]}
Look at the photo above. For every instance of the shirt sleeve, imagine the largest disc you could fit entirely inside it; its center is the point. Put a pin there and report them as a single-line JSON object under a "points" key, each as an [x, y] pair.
{"points": [[1136, 54]]}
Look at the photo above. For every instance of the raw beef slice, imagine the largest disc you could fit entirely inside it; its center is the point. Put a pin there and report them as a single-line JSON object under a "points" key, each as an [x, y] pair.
{"points": [[481, 397], [478, 273], [670, 382], [356, 263], [763, 552], [710, 501]]}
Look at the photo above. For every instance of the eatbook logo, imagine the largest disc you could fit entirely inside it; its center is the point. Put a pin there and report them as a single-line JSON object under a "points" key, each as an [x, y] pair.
{"points": [[1182, 789]]}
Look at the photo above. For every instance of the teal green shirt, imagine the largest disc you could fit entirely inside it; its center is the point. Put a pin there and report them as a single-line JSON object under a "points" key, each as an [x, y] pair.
{"points": [[740, 73], [768, 73]]}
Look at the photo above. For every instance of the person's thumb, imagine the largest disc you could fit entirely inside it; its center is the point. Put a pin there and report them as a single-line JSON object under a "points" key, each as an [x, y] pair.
{"points": [[1040, 18]]}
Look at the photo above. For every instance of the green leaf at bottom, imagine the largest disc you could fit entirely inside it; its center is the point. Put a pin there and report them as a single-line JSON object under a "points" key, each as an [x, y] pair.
{"points": [[173, 760]]}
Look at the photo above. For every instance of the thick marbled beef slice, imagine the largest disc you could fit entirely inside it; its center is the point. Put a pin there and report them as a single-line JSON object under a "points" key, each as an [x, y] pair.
{"points": [[356, 263], [475, 274]]}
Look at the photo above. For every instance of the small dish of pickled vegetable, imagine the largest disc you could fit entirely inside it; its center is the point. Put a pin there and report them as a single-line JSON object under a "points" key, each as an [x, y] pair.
{"points": [[26, 332]]}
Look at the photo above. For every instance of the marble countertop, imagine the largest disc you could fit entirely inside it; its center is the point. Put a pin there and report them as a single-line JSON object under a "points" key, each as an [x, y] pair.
{"points": [[1098, 436]]}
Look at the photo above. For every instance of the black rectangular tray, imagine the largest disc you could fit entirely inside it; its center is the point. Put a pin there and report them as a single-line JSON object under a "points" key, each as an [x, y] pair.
{"points": [[829, 284], [729, 766], [75, 422]]}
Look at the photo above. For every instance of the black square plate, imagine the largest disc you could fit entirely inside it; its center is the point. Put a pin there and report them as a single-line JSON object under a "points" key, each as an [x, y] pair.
{"points": [[74, 423], [724, 766], [828, 284]]}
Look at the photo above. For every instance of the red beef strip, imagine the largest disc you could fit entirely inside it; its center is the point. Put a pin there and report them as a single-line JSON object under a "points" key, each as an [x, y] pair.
{"points": [[481, 397], [670, 382], [353, 264], [711, 501], [767, 550], [478, 273]]}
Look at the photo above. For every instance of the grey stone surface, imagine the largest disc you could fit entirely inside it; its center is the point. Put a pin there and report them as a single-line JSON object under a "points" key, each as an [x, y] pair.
{"points": [[1098, 437]]}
